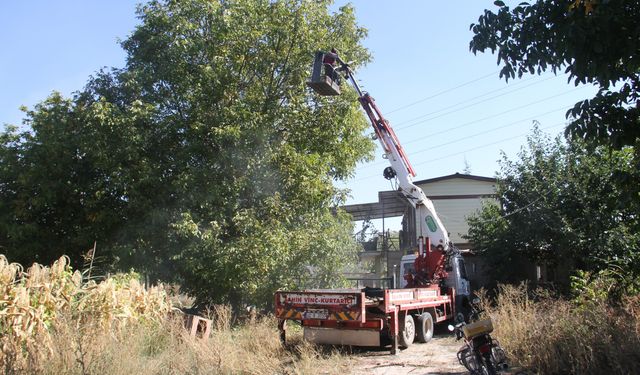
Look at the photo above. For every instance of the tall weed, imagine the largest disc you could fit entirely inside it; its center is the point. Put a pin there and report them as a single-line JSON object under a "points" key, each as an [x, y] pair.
{"points": [[557, 336], [51, 322]]}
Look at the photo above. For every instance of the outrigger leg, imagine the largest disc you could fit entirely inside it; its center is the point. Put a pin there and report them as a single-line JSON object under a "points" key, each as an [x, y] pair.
{"points": [[394, 332]]}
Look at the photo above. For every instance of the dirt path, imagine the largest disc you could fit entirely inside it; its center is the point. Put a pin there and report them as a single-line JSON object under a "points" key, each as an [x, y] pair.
{"points": [[435, 357]]}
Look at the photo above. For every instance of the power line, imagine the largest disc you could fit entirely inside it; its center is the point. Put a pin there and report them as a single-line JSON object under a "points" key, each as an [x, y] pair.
{"points": [[467, 150], [489, 131], [500, 114], [470, 136], [486, 145], [399, 127], [492, 74], [487, 118], [470, 100], [514, 212]]}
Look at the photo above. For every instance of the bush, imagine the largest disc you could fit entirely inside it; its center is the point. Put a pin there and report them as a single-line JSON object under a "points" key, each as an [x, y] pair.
{"points": [[556, 336]]}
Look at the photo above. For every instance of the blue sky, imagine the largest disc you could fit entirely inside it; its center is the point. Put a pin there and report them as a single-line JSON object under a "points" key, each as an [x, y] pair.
{"points": [[56, 45], [446, 104]]}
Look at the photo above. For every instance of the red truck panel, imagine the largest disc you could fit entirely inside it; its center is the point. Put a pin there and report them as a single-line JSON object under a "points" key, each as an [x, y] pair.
{"points": [[321, 305], [406, 299]]}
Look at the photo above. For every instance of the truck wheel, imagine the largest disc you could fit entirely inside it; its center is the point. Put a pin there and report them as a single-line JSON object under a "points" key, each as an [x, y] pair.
{"points": [[407, 331], [424, 327]]}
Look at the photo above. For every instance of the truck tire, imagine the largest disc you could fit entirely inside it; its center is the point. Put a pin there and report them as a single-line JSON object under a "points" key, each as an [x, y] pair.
{"points": [[424, 327], [406, 331]]}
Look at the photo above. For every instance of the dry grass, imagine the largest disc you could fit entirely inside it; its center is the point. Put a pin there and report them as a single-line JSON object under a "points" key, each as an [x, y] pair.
{"points": [[53, 323], [141, 349], [555, 336]]}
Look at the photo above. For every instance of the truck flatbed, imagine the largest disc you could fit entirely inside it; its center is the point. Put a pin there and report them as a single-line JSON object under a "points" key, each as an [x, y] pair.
{"points": [[354, 315]]}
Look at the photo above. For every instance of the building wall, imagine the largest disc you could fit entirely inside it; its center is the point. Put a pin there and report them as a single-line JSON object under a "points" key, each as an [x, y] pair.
{"points": [[455, 199], [454, 212]]}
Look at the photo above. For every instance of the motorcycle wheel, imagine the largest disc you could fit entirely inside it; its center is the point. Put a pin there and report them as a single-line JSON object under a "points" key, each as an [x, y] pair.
{"points": [[487, 366], [468, 358]]}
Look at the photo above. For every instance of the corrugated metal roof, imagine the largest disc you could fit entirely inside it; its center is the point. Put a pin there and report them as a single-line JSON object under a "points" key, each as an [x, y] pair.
{"points": [[390, 204]]}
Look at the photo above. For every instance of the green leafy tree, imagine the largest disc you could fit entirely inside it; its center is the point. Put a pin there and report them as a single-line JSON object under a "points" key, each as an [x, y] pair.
{"points": [[560, 205], [61, 184], [595, 41], [205, 159]]}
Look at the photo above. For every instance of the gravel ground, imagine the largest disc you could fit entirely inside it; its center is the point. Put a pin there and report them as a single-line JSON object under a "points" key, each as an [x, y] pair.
{"points": [[438, 356]]}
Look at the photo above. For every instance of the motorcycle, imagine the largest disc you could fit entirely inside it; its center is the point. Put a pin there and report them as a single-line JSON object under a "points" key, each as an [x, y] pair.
{"points": [[481, 354]]}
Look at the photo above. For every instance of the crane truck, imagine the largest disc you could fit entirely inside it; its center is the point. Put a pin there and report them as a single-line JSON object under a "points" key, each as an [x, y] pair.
{"points": [[434, 287]]}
